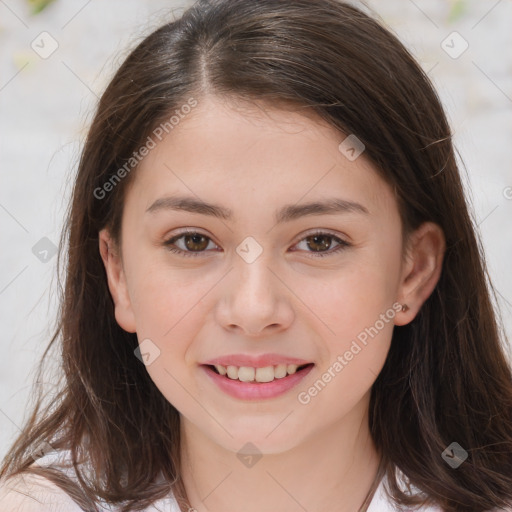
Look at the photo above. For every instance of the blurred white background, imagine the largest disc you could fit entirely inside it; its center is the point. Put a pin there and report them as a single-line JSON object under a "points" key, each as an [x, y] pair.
{"points": [[49, 84]]}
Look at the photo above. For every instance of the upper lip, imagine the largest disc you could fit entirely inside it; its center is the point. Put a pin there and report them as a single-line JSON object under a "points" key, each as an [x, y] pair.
{"points": [[255, 361]]}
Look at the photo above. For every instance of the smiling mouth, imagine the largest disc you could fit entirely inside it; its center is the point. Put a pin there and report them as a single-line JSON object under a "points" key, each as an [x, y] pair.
{"points": [[258, 375]]}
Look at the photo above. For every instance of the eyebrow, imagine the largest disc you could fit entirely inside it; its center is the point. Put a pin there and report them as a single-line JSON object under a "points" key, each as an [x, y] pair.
{"points": [[285, 214]]}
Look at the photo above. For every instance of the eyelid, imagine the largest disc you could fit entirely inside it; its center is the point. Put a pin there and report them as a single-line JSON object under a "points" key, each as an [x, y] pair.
{"points": [[320, 231], [188, 231]]}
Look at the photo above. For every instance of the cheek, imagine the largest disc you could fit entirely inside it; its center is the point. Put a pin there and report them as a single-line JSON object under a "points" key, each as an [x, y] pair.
{"points": [[168, 307], [162, 295], [171, 307], [356, 315], [354, 310], [352, 298]]}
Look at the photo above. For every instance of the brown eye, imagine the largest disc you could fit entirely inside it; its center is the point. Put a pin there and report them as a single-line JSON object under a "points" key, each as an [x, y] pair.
{"points": [[319, 244], [193, 244]]}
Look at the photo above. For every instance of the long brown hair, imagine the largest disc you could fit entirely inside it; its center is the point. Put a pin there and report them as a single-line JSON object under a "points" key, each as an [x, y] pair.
{"points": [[446, 377]]}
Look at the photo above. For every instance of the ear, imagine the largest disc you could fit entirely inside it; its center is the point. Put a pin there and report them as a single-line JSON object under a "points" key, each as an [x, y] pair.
{"points": [[117, 282], [421, 271]]}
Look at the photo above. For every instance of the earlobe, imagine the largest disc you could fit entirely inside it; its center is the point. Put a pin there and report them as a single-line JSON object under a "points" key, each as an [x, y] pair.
{"points": [[116, 282], [421, 271]]}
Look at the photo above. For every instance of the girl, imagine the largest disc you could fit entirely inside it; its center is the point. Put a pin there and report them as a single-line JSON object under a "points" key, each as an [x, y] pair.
{"points": [[275, 298]]}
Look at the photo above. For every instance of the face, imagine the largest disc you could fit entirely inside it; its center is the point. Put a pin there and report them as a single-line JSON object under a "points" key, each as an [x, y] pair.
{"points": [[298, 260]]}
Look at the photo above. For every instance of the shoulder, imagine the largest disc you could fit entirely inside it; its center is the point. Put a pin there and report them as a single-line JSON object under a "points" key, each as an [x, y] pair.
{"points": [[34, 493], [381, 501]]}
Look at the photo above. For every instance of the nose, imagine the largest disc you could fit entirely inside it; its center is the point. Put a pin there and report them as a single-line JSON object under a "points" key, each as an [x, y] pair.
{"points": [[255, 299]]}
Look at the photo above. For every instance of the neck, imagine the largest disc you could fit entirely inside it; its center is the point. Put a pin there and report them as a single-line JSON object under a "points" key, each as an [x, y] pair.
{"points": [[331, 470]]}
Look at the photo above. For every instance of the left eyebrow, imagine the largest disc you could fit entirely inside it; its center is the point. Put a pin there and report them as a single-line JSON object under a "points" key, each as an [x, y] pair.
{"points": [[285, 214], [326, 207]]}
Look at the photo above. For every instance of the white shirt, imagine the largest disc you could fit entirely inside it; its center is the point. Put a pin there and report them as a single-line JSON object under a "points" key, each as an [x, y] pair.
{"points": [[32, 493]]}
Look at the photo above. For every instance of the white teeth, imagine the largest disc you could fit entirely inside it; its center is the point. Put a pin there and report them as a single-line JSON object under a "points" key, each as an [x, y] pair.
{"points": [[292, 368], [232, 372], [249, 374], [246, 374], [280, 371], [265, 374], [221, 369]]}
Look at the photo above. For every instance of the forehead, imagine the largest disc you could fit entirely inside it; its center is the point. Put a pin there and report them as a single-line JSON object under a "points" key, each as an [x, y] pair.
{"points": [[252, 153]]}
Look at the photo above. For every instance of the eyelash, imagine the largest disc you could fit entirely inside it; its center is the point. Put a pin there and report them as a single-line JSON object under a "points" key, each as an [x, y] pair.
{"points": [[320, 254]]}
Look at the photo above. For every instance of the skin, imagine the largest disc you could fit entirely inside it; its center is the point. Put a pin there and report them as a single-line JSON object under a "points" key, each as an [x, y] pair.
{"points": [[254, 159]]}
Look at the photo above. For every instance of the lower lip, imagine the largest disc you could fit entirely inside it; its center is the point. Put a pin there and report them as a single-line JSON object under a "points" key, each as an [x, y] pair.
{"points": [[256, 390]]}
